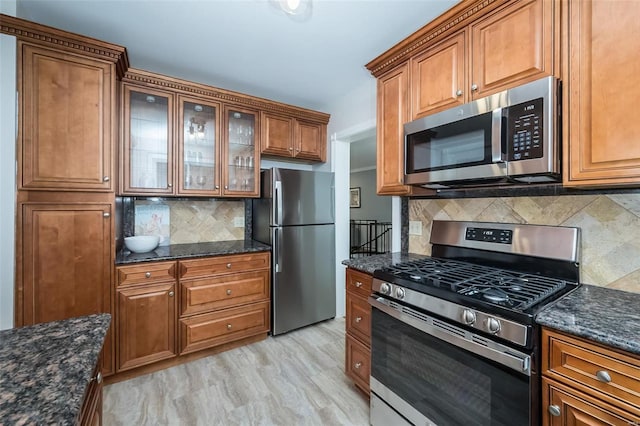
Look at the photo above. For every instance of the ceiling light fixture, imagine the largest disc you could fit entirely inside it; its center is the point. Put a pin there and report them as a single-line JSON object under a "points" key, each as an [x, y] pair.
{"points": [[298, 10]]}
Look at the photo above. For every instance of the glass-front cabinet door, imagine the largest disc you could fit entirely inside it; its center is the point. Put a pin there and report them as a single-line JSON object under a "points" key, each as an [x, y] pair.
{"points": [[242, 168], [198, 151], [147, 141]]}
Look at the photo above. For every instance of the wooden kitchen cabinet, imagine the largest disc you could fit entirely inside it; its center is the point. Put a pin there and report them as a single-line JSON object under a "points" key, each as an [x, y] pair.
{"points": [[67, 126], [223, 299], [585, 383], [601, 134], [289, 137], [358, 328], [146, 324], [511, 46], [91, 411], [241, 168]]}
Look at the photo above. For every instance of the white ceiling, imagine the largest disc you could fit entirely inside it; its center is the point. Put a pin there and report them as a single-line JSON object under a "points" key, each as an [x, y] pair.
{"points": [[247, 45]]}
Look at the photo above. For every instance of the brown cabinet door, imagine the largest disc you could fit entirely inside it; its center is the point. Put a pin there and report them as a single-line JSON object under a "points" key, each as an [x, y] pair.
{"points": [[563, 406], [359, 318], [438, 77], [277, 134], [147, 148], [66, 265], [391, 115], [310, 140], [512, 46], [241, 153], [602, 132], [146, 324], [358, 363], [67, 119]]}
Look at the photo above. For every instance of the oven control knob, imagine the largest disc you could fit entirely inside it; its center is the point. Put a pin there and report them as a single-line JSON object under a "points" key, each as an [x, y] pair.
{"points": [[385, 288], [468, 316], [399, 293], [493, 325]]}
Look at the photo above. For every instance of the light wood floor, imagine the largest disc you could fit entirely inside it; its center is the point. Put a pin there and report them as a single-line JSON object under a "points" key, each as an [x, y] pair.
{"points": [[293, 379]]}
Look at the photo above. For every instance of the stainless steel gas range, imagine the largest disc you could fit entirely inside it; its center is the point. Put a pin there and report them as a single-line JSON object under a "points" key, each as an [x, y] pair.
{"points": [[454, 340]]}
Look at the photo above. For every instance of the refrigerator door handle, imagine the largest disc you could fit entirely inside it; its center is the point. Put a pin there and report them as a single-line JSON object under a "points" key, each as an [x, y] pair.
{"points": [[276, 250], [278, 204]]}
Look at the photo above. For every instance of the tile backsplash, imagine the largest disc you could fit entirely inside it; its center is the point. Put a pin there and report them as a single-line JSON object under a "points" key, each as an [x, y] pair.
{"points": [[194, 221], [610, 224]]}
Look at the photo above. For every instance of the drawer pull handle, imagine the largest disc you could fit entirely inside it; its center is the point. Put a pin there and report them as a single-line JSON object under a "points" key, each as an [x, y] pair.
{"points": [[148, 275], [171, 294], [98, 378], [358, 284], [229, 292], [228, 266], [228, 326], [554, 410], [358, 319], [603, 376], [357, 365]]}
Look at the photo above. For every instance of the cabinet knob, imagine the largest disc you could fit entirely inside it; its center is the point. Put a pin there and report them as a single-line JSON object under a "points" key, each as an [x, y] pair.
{"points": [[226, 187], [474, 87], [148, 275], [358, 284], [228, 292], [171, 293], [228, 326], [357, 365], [98, 378], [169, 185], [358, 319], [105, 179], [217, 186], [106, 214], [228, 266], [290, 149], [459, 92], [554, 410], [603, 376]]}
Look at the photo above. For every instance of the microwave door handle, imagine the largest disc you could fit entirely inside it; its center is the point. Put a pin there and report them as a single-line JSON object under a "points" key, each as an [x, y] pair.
{"points": [[498, 155]]}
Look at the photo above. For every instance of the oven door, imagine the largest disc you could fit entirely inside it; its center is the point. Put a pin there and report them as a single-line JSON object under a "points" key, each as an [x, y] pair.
{"points": [[435, 373]]}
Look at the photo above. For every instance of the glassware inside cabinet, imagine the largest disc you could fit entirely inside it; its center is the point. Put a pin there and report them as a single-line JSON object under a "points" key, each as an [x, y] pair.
{"points": [[149, 141], [199, 147], [242, 151]]}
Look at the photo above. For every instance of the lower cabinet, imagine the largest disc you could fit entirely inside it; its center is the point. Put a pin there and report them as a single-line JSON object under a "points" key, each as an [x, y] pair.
{"points": [[584, 383], [169, 309], [91, 411], [358, 329]]}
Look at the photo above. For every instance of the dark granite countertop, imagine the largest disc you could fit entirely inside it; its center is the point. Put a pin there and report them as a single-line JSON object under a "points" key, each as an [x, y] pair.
{"points": [[45, 369], [369, 264], [603, 315], [183, 251]]}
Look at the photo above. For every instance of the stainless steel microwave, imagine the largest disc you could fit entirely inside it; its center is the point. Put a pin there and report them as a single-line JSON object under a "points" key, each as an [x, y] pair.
{"points": [[508, 137]]}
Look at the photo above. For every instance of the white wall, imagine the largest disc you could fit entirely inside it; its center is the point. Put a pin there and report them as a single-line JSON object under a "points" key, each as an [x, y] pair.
{"points": [[372, 206], [7, 168]]}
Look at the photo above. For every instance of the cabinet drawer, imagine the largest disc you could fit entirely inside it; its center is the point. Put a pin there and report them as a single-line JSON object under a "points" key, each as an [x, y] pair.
{"points": [[213, 329], [358, 363], [206, 294], [359, 318], [150, 272], [607, 374], [223, 265], [359, 282], [578, 408]]}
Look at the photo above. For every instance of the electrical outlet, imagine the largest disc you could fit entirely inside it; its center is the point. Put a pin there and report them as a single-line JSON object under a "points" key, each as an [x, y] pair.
{"points": [[238, 222], [415, 227]]}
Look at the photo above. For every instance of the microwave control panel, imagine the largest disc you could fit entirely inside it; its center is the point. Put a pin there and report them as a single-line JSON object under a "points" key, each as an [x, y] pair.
{"points": [[524, 130]]}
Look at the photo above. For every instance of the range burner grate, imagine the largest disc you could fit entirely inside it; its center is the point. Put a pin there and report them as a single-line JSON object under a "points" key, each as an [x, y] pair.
{"points": [[502, 287]]}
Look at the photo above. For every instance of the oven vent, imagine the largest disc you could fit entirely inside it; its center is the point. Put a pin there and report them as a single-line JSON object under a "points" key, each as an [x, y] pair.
{"points": [[448, 328], [479, 340]]}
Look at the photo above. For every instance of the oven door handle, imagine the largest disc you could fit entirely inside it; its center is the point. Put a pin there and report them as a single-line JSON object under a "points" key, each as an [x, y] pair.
{"points": [[454, 335]]}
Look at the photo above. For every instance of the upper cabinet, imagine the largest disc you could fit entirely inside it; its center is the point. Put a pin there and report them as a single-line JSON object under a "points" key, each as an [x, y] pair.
{"points": [[510, 46], [290, 137], [601, 134], [242, 164], [67, 120]]}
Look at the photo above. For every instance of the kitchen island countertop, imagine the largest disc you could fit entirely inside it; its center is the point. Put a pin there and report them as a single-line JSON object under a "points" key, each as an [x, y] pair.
{"points": [[604, 315], [185, 251], [46, 368], [369, 264]]}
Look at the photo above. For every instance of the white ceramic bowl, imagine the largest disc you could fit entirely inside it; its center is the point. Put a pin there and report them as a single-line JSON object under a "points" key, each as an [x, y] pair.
{"points": [[142, 243]]}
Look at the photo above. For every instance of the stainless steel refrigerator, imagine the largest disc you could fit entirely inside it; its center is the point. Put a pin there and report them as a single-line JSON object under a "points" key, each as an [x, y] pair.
{"points": [[295, 215]]}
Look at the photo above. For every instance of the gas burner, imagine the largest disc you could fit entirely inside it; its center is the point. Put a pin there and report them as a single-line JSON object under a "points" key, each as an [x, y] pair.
{"points": [[495, 295]]}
